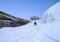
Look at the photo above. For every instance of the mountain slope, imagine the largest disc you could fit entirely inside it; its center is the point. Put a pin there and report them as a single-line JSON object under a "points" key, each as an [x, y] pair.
{"points": [[52, 13], [48, 31], [31, 33]]}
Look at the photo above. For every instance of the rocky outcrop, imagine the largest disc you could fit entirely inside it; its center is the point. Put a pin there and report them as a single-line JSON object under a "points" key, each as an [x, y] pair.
{"points": [[34, 18], [7, 20]]}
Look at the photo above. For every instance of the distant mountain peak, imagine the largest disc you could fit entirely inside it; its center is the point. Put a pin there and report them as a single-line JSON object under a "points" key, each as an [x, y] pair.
{"points": [[34, 18]]}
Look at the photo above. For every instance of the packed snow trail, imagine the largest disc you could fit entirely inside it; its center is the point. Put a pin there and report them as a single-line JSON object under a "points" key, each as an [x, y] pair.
{"points": [[50, 37]]}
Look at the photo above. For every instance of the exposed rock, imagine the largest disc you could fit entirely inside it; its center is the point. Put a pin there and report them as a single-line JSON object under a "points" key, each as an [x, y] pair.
{"points": [[34, 18], [7, 20]]}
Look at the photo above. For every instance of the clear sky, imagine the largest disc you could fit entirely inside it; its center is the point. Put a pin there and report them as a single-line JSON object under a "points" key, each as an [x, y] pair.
{"points": [[26, 8]]}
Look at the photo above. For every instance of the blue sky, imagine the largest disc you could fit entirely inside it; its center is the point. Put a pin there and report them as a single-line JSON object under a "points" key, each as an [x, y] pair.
{"points": [[26, 8]]}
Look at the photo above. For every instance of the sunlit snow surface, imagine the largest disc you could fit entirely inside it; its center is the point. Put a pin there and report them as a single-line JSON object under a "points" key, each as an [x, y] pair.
{"points": [[42, 32], [48, 31]]}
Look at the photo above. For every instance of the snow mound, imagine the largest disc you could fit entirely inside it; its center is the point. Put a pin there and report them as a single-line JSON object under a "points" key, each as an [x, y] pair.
{"points": [[53, 13]]}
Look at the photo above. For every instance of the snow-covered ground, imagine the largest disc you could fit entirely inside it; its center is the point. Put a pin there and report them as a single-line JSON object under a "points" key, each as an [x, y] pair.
{"points": [[42, 32], [46, 30]]}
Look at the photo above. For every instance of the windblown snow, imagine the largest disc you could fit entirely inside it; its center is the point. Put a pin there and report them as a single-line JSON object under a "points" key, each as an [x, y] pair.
{"points": [[46, 30]]}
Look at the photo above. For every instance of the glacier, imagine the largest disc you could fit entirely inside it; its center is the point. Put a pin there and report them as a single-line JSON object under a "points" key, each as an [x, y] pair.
{"points": [[46, 30]]}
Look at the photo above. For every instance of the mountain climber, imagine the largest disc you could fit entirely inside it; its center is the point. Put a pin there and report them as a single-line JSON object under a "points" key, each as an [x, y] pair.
{"points": [[35, 23]]}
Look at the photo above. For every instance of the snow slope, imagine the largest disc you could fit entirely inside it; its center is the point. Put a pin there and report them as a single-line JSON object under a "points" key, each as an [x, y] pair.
{"points": [[52, 13], [48, 31], [30, 33]]}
